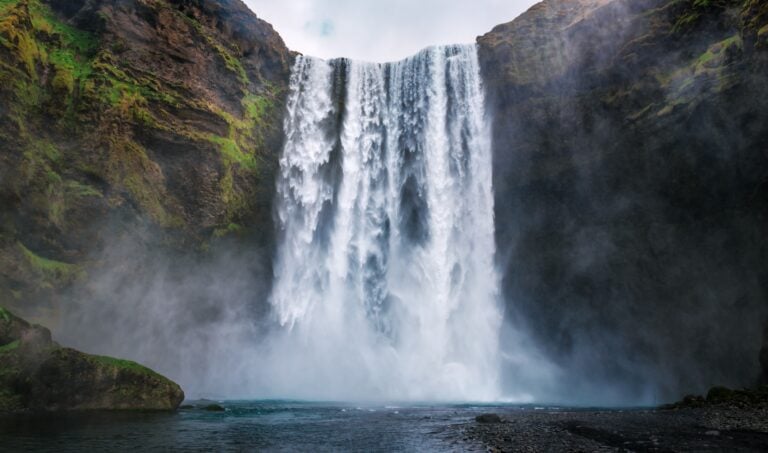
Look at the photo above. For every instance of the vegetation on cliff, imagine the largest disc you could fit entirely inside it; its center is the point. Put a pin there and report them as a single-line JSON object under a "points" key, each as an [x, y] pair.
{"points": [[120, 116]]}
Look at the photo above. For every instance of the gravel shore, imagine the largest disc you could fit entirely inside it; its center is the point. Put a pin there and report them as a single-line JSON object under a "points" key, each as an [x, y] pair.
{"points": [[552, 430]]}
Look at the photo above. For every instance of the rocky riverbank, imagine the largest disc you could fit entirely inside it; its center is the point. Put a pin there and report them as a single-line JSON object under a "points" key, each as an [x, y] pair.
{"points": [[554, 430], [37, 374], [723, 420]]}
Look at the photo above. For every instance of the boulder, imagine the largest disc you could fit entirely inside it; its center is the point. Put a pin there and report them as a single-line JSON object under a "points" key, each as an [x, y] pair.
{"points": [[488, 418], [214, 408], [36, 374], [764, 357]]}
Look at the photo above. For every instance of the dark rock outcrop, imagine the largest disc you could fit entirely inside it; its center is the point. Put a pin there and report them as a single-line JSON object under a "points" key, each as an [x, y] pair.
{"points": [[36, 374], [488, 418], [630, 170], [764, 358], [723, 397]]}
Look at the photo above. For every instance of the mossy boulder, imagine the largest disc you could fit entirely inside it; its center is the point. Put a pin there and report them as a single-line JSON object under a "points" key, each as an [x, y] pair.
{"points": [[36, 374]]}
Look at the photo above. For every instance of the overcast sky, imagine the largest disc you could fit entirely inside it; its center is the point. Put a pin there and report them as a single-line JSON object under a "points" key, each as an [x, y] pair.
{"points": [[382, 30]]}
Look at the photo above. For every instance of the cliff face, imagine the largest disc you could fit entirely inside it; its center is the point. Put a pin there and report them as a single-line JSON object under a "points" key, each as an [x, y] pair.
{"points": [[120, 118], [631, 178]]}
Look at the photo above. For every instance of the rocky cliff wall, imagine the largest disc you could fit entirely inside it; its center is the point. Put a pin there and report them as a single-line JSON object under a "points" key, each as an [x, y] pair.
{"points": [[152, 122], [631, 178]]}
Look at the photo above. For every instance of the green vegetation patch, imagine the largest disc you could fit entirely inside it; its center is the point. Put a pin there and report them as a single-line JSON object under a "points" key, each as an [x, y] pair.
{"points": [[7, 4], [257, 107], [12, 346], [230, 61], [232, 152], [122, 364], [231, 229], [697, 9], [50, 268], [78, 190], [5, 315]]}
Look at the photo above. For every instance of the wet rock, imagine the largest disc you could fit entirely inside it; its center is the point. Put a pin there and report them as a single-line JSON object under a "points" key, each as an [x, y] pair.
{"points": [[214, 408], [488, 418], [719, 394], [574, 116], [764, 357]]}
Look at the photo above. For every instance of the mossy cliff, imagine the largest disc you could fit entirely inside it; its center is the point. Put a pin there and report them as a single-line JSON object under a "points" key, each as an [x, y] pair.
{"points": [[631, 181], [39, 375], [119, 118]]}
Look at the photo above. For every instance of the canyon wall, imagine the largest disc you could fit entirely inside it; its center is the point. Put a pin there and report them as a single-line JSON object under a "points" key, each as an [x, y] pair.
{"points": [[151, 123], [631, 179]]}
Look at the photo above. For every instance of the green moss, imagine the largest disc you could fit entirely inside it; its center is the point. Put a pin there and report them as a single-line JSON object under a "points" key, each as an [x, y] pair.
{"points": [[63, 80], [50, 268], [230, 61], [122, 364], [698, 9], [10, 347], [150, 200], [7, 4], [20, 39], [65, 47], [230, 229], [232, 152], [74, 40], [78, 190], [112, 86], [93, 96], [5, 315], [256, 107]]}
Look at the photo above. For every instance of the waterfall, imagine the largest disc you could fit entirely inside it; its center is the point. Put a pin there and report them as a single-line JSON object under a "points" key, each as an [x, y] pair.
{"points": [[385, 285]]}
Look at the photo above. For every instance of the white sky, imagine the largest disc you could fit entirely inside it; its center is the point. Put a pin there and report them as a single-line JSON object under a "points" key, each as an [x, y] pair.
{"points": [[382, 30]]}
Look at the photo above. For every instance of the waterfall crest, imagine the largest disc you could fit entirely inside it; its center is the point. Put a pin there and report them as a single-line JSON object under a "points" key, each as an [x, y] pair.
{"points": [[385, 285]]}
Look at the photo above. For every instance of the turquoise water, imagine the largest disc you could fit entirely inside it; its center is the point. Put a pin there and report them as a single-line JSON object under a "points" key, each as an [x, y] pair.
{"points": [[245, 426]]}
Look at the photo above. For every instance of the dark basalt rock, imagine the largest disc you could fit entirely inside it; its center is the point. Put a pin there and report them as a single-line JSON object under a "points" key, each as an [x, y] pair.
{"points": [[723, 397], [630, 169], [764, 358], [36, 374], [488, 418], [214, 408]]}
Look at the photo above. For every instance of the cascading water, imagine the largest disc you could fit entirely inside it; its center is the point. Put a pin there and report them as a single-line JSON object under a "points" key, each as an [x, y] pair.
{"points": [[385, 280]]}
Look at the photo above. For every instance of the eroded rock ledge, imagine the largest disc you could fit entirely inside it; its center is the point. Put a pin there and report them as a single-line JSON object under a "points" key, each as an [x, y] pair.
{"points": [[37, 374]]}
